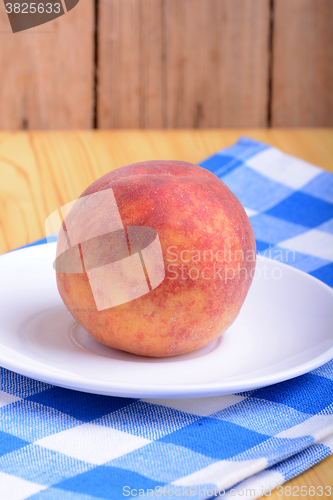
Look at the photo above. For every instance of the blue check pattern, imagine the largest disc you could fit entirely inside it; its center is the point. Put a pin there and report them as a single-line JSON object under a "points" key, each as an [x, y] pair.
{"points": [[59, 444]]}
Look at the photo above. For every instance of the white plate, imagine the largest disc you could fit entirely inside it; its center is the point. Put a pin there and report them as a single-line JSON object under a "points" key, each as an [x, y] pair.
{"points": [[284, 330]]}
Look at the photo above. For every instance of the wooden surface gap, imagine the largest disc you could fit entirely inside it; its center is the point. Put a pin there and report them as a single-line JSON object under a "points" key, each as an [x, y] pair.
{"points": [[270, 63], [96, 64], [164, 65]]}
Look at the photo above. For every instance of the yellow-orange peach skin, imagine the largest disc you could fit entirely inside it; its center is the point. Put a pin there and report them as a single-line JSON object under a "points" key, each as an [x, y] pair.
{"points": [[208, 250]]}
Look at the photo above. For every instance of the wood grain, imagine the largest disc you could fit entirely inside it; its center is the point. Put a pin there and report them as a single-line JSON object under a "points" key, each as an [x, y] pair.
{"points": [[40, 171], [172, 64], [130, 88], [47, 72], [302, 78]]}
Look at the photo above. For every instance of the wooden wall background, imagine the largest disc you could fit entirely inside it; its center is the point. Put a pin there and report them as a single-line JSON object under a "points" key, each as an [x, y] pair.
{"points": [[171, 64]]}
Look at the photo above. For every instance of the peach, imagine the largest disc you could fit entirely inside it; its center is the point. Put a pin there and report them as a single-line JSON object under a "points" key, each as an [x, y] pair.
{"points": [[156, 258]]}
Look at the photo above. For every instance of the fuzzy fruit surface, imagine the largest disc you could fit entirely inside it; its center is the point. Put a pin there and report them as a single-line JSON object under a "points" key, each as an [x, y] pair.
{"points": [[208, 251]]}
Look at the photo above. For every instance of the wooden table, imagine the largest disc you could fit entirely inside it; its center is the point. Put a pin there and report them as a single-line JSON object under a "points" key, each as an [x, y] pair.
{"points": [[40, 171]]}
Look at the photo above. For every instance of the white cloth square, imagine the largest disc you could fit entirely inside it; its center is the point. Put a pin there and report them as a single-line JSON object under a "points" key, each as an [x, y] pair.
{"points": [[311, 427], [283, 168], [312, 242], [199, 406], [92, 443], [15, 488], [232, 470], [7, 399]]}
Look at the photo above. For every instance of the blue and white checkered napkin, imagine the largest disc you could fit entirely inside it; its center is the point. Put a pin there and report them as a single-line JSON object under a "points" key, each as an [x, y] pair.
{"points": [[58, 444]]}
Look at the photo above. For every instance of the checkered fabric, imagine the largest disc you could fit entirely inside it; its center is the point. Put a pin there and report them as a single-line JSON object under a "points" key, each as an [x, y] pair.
{"points": [[58, 444]]}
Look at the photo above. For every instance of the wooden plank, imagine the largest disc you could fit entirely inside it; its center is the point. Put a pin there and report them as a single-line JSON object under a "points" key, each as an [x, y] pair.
{"points": [[217, 63], [183, 64], [130, 64], [302, 82], [47, 72], [42, 171]]}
